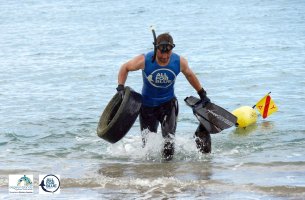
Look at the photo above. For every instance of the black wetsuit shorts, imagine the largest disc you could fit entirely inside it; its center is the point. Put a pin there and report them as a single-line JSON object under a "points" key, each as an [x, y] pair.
{"points": [[165, 114]]}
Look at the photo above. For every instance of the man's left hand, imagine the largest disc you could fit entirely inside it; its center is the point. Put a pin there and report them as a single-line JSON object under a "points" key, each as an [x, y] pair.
{"points": [[203, 96]]}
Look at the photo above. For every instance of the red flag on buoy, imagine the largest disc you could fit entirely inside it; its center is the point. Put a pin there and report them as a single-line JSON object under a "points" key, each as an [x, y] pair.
{"points": [[266, 106]]}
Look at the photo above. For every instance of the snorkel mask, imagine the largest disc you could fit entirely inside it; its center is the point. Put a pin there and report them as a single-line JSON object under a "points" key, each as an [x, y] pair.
{"points": [[165, 46], [164, 43]]}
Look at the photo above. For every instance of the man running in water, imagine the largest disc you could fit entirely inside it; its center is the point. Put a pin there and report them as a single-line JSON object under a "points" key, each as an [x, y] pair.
{"points": [[159, 103]]}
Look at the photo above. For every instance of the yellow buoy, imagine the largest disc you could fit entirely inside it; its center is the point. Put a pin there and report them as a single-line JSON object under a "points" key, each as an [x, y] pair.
{"points": [[245, 116]]}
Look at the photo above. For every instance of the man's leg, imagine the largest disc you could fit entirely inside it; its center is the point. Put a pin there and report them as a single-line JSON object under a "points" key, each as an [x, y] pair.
{"points": [[203, 140], [168, 125], [148, 122]]}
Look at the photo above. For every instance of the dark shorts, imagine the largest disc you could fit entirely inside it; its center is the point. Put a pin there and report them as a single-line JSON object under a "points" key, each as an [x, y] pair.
{"points": [[165, 114]]}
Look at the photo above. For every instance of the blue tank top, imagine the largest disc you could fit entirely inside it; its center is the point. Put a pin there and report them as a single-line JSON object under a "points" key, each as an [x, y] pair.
{"points": [[158, 81]]}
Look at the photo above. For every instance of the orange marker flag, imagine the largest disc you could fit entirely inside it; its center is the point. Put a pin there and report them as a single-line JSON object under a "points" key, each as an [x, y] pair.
{"points": [[266, 106]]}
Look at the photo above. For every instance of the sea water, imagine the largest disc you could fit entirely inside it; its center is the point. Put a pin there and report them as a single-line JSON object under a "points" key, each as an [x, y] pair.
{"points": [[58, 70]]}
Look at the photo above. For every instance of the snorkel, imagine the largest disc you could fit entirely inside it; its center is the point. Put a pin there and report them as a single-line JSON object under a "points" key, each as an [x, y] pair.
{"points": [[155, 44]]}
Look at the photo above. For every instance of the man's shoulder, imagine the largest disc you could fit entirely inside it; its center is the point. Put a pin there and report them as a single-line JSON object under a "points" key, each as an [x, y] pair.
{"points": [[175, 55], [149, 54]]}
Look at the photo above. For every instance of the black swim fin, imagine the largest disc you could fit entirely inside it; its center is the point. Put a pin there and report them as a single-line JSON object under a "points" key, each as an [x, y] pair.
{"points": [[213, 117]]}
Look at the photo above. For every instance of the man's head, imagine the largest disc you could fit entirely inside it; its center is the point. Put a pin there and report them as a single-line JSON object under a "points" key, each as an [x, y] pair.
{"points": [[165, 43], [164, 46]]}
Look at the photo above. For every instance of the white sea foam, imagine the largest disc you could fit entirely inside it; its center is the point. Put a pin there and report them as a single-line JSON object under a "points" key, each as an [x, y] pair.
{"points": [[131, 147]]}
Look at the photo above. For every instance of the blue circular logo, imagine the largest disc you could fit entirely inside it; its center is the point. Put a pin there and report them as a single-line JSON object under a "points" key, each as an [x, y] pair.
{"points": [[162, 78], [50, 183]]}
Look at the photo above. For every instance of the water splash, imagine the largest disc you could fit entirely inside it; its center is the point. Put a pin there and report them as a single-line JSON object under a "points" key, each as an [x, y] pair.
{"points": [[131, 148]]}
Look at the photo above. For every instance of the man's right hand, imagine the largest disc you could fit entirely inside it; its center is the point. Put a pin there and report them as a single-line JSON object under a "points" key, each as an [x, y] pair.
{"points": [[121, 90]]}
